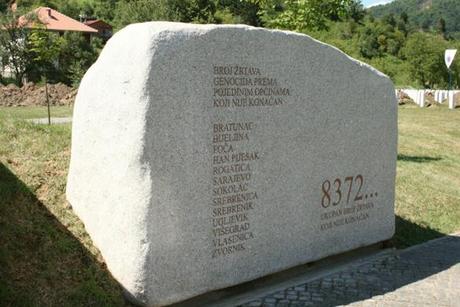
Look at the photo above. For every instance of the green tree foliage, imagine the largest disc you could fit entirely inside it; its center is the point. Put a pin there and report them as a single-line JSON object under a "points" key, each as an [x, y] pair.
{"points": [[3, 5], [441, 28], [77, 55], [197, 11], [39, 53], [425, 14], [380, 38], [356, 11], [387, 37], [408, 56], [66, 58], [128, 12], [425, 55], [132, 11], [14, 52], [76, 9], [302, 14], [105, 9], [243, 11], [44, 46]]}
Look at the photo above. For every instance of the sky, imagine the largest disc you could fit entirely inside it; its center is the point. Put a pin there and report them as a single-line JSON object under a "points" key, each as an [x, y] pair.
{"points": [[369, 3]]}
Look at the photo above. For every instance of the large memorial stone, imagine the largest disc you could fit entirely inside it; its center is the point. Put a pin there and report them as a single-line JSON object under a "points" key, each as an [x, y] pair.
{"points": [[204, 156]]}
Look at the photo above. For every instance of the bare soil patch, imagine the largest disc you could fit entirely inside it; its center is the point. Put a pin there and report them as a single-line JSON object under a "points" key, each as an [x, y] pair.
{"points": [[31, 94]]}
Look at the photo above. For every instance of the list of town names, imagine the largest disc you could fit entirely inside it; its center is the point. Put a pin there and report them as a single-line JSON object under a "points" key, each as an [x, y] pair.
{"points": [[233, 193]]}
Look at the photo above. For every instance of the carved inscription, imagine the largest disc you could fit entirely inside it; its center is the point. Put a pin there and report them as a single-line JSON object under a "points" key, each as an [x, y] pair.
{"points": [[242, 86], [345, 202], [233, 195], [233, 198]]}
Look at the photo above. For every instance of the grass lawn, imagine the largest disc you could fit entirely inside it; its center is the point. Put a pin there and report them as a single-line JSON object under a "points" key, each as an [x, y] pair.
{"points": [[428, 175], [34, 112], [46, 257]]}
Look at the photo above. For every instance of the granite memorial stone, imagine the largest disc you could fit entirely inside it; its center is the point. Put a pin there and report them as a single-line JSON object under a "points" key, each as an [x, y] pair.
{"points": [[204, 156]]}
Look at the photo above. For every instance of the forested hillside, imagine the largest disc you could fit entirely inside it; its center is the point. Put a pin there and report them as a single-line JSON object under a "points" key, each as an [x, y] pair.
{"points": [[441, 15], [405, 39]]}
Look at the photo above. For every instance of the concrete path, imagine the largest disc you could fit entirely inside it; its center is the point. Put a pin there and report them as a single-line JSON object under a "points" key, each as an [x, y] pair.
{"points": [[424, 275], [54, 120]]}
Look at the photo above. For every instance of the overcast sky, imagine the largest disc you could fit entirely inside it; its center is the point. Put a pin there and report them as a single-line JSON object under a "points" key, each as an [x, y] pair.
{"points": [[368, 3]]}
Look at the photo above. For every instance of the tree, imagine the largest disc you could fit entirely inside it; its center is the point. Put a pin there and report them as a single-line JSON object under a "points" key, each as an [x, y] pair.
{"points": [[199, 11], [3, 5], [105, 9], [356, 11], [404, 17], [76, 9], [45, 47], [389, 19], [302, 14], [442, 27], [14, 53], [132, 11], [369, 44], [380, 38], [128, 12], [425, 55], [242, 11], [76, 56]]}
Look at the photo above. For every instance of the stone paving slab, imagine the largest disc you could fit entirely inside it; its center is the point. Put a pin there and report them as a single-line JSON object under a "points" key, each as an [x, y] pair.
{"points": [[424, 275], [54, 120]]}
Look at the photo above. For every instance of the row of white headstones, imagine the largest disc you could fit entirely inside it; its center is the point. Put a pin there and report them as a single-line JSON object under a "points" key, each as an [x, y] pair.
{"points": [[418, 96]]}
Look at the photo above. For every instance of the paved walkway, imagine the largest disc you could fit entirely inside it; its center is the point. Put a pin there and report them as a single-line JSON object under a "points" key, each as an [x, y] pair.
{"points": [[423, 275], [54, 120]]}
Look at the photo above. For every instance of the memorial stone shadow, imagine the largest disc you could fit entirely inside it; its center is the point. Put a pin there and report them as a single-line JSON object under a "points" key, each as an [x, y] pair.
{"points": [[41, 262]]}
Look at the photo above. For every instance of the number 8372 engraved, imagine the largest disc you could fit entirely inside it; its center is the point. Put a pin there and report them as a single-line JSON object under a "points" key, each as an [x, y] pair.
{"points": [[338, 191]]}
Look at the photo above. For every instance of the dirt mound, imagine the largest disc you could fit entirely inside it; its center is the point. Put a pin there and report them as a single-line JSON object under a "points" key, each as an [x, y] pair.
{"points": [[31, 94], [430, 101], [403, 98]]}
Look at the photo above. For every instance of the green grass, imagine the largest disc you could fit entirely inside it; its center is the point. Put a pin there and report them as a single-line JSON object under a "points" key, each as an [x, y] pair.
{"points": [[47, 258], [428, 175], [34, 112]]}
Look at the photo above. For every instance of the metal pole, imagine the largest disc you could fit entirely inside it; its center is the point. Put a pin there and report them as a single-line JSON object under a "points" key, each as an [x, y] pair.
{"points": [[450, 79], [47, 101]]}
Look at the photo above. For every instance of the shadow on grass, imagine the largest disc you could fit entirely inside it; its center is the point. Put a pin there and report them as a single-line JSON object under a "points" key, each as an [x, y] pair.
{"points": [[408, 233], [41, 262], [417, 159]]}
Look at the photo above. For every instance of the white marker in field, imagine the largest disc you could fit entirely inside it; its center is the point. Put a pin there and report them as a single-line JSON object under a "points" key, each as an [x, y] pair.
{"points": [[449, 56]]}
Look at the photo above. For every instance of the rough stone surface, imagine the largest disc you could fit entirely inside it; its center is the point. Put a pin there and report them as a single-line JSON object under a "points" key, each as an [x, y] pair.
{"points": [[204, 156]]}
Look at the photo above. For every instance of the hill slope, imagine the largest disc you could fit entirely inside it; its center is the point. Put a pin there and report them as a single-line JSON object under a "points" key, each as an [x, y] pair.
{"points": [[425, 14]]}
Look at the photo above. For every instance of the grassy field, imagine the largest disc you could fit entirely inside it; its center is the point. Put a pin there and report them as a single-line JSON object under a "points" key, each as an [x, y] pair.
{"points": [[428, 175], [34, 112], [46, 257]]}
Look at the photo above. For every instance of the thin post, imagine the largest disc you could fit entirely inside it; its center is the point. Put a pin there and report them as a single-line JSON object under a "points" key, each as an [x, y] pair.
{"points": [[450, 79], [47, 101]]}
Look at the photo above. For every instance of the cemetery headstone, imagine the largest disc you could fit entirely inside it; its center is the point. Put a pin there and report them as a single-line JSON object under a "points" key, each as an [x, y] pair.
{"points": [[451, 100], [204, 156]]}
